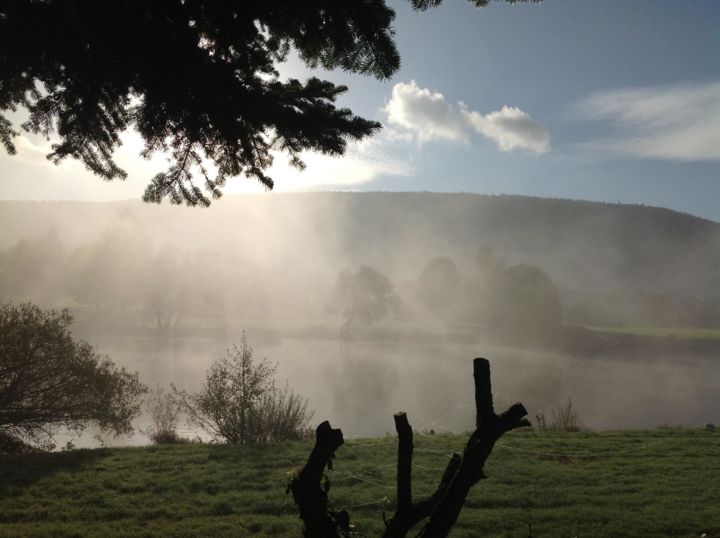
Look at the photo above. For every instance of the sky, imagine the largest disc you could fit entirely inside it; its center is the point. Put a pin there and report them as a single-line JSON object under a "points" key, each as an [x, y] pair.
{"points": [[611, 101]]}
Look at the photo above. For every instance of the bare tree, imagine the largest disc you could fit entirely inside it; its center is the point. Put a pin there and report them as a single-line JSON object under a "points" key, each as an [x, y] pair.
{"points": [[441, 509]]}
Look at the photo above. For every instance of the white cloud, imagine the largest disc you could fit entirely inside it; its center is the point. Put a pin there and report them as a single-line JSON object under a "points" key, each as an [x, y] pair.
{"points": [[425, 112], [429, 116], [680, 122], [511, 128]]}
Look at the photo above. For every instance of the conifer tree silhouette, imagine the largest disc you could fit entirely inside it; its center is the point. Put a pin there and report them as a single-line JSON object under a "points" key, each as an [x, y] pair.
{"points": [[196, 78]]}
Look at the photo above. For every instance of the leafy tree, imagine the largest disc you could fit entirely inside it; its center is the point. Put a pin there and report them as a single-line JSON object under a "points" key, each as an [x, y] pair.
{"points": [[169, 289], [240, 403], [365, 297], [489, 266], [105, 272], [439, 283], [525, 306], [517, 303], [29, 269], [194, 77], [48, 380]]}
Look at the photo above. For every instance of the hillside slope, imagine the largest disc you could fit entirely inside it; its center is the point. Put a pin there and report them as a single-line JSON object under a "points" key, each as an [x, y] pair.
{"points": [[581, 245]]}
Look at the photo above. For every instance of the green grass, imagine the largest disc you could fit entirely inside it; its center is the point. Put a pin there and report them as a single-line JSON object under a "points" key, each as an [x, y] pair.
{"points": [[661, 483], [677, 332]]}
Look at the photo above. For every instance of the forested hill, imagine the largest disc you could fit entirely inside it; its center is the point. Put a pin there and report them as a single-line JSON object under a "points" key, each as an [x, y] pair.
{"points": [[582, 245]]}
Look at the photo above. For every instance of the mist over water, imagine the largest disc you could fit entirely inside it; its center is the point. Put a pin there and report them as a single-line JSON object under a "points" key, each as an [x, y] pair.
{"points": [[357, 386], [165, 291]]}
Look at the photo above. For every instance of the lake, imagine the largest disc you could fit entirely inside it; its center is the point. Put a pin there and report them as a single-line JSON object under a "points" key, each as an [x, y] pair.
{"points": [[358, 385]]}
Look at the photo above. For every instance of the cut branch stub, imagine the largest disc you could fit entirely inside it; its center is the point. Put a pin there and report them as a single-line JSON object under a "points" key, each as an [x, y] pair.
{"points": [[404, 461], [408, 514], [308, 492], [444, 505], [483, 391], [490, 427]]}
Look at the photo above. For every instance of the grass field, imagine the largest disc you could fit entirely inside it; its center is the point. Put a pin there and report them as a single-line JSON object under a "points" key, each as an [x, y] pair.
{"points": [[659, 483], [677, 332]]}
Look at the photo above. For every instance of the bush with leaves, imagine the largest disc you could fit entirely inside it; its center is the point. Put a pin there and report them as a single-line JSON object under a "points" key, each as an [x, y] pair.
{"points": [[240, 402], [50, 381]]}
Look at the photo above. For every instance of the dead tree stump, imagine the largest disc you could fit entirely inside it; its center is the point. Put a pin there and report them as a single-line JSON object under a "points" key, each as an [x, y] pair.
{"points": [[443, 507], [308, 491]]}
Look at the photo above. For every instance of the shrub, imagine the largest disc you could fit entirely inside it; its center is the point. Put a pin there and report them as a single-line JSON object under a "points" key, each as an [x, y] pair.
{"points": [[49, 381], [240, 403], [164, 411], [169, 438], [564, 419], [12, 445]]}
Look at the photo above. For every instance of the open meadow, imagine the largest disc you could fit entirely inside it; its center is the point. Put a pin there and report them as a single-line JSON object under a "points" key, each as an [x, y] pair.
{"points": [[614, 484]]}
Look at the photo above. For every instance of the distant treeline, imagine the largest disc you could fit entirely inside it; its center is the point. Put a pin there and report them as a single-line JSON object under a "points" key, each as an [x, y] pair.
{"points": [[511, 265]]}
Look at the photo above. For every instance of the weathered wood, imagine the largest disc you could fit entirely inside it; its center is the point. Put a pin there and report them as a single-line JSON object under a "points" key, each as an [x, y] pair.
{"points": [[408, 514], [426, 507], [307, 491], [444, 505], [490, 428], [404, 461], [483, 391]]}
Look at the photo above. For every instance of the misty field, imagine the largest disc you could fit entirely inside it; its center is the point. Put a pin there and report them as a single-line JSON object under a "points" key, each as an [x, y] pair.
{"points": [[652, 483]]}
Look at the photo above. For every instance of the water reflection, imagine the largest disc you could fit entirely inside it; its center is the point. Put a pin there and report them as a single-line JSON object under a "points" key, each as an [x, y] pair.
{"points": [[359, 385]]}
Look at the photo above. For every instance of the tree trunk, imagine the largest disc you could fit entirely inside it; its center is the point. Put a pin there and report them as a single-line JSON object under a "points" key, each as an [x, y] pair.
{"points": [[307, 489], [443, 507]]}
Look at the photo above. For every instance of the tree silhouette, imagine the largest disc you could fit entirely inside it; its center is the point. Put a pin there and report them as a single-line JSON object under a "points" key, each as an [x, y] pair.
{"points": [[439, 283], [364, 297], [105, 272], [526, 306], [196, 78], [516, 303], [30, 268], [49, 380], [436, 514]]}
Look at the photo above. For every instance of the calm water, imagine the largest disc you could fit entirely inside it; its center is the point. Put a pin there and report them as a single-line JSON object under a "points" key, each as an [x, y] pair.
{"points": [[359, 385]]}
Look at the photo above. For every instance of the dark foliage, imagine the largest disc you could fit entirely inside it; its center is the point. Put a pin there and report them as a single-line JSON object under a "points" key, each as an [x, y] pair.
{"points": [[525, 305], [49, 380], [29, 268], [364, 297], [10, 444], [195, 78], [168, 438], [439, 283]]}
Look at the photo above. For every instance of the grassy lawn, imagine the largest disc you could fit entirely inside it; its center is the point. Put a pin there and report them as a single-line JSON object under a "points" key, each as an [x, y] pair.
{"points": [[677, 332], [659, 483]]}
